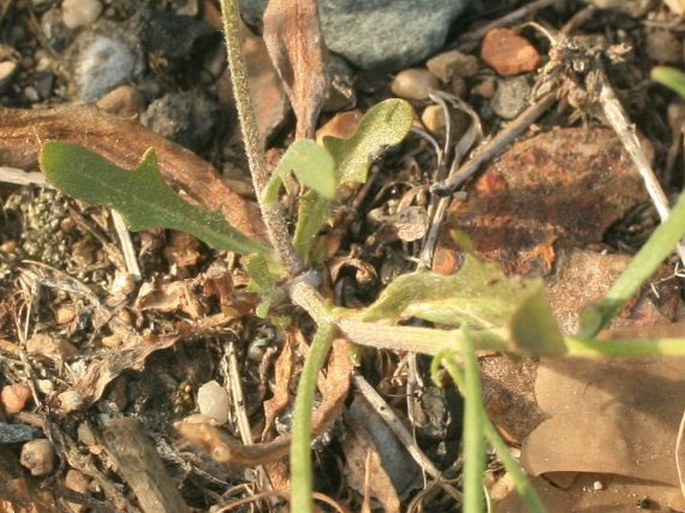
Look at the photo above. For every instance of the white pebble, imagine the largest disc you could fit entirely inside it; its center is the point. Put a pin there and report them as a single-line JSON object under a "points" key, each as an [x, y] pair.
{"points": [[78, 13], [213, 401]]}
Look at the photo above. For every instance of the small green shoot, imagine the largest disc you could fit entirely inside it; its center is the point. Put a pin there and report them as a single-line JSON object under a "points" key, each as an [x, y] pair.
{"points": [[384, 125], [670, 77], [140, 195], [263, 280], [312, 165]]}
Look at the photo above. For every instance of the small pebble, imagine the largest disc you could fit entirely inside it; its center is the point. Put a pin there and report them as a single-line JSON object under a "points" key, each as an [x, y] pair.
{"points": [[7, 71], [485, 88], [14, 397], [213, 401], [125, 101], [79, 13], [597, 485], [433, 117], [122, 285], [512, 96], [677, 6], [412, 223], [65, 314], [414, 84], [17, 433], [663, 47], [78, 482], [38, 456], [452, 64], [508, 53], [188, 118], [31, 94], [342, 125]]}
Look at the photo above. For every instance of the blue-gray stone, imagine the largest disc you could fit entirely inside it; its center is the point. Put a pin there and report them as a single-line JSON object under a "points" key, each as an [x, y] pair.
{"points": [[17, 433], [372, 34]]}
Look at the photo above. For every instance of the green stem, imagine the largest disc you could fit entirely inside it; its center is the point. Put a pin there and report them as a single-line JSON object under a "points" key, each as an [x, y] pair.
{"points": [[474, 443], [273, 217], [301, 474], [522, 484], [485, 427]]}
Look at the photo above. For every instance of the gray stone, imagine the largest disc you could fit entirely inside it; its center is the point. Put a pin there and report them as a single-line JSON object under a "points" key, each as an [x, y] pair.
{"points": [[102, 60], [390, 34], [187, 118], [512, 96]]}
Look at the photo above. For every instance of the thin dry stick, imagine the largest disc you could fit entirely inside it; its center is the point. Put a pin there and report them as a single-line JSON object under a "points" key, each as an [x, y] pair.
{"points": [[229, 366], [497, 145], [272, 214], [618, 120], [127, 248], [395, 425]]}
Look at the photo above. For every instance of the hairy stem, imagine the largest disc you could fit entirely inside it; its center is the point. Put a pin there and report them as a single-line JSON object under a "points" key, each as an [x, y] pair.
{"points": [[272, 214]]}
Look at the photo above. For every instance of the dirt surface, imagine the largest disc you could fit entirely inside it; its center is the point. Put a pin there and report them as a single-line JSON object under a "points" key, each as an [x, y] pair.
{"points": [[138, 381]]}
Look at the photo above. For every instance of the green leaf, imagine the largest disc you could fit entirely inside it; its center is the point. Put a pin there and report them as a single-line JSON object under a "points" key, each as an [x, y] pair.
{"points": [[670, 77], [661, 244], [313, 212], [140, 195], [263, 280], [313, 166], [386, 124], [479, 297]]}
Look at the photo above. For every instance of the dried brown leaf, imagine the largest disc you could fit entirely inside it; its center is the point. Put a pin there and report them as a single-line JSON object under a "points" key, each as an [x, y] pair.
{"points": [[619, 417], [122, 141], [283, 371], [363, 459], [293, 37]]}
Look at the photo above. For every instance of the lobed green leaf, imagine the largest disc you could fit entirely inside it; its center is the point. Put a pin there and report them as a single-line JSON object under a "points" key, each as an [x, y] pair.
{"points": [[385, 124], [140, 195], [480, 297]]}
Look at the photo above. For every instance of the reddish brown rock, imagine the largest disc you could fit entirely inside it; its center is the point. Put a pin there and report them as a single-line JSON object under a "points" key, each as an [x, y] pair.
{"points": [[562, 188], [508, 53]]}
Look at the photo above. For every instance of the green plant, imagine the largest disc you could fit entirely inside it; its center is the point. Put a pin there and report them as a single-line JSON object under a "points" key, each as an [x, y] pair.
{"points": [[477, 308]]}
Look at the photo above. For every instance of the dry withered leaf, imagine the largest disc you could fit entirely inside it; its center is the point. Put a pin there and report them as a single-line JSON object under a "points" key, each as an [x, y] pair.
{"points": [[615, 416], [560, 188], [101, 371], [283, 371], [169, 297], [363, 460], [616, 493], [122, 141], [293, 37]]}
